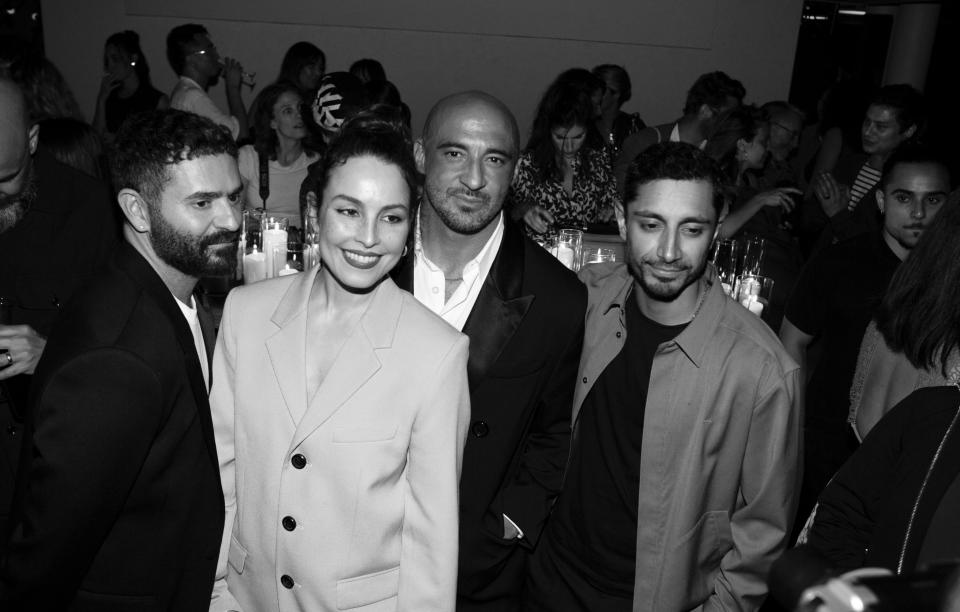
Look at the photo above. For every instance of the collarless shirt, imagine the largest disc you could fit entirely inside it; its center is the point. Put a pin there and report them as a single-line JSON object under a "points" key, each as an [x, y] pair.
{"points": [[190, 314], [188, 96], [429, 283]]}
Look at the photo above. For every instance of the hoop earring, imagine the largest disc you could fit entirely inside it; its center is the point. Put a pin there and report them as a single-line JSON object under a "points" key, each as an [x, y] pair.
{"points": [[405, 249]]}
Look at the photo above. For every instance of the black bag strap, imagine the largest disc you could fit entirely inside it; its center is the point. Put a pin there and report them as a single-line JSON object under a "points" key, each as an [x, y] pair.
{"points": [[264, 179]]}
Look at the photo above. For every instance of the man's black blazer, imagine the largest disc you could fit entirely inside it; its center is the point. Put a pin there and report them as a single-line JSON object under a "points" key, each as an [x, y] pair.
{"points": [[526, 332], [118, 504]]}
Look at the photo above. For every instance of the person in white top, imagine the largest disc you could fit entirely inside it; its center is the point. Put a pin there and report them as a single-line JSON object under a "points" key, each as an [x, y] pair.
{"points": [[195, 59], [282, 148]]}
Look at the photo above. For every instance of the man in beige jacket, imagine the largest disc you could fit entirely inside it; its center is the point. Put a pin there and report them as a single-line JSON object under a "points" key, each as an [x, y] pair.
{"points": [[684, 470]]}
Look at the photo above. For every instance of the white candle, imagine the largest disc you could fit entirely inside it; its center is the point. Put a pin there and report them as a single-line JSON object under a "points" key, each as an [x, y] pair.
{"points": [[753, 305], [254, 267], [565, 255], [727, 288], [274, 245], [287, 271]]}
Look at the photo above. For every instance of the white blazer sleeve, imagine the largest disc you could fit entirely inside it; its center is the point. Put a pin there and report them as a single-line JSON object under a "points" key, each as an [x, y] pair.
{"points": [[428, 562], [222, 411]]}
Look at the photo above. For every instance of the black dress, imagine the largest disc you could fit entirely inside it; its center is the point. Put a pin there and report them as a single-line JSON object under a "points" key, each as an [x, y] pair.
{"points": [[145, 98]]}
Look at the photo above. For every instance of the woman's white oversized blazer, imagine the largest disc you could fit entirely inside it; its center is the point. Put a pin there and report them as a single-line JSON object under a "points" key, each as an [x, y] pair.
{"points": [[346, 500]]}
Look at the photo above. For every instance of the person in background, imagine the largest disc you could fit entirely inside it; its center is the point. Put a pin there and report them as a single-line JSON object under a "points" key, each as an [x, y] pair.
{"points": [[614, 124], [340, 410], [915, 324], [367, 70], [120, 504], [895, 116], [275, 166], [786, 126], [710, 96], [739, 144], [837, 294], [339, 98], [304, 64], [563, 177], [195, 59], [57, 228], [523, 312], [385, 92], [682, 479], [125, 88]]}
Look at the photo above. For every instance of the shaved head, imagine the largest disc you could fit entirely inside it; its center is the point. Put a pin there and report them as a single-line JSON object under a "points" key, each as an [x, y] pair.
{"points": [[475, 103], [18, 141]]}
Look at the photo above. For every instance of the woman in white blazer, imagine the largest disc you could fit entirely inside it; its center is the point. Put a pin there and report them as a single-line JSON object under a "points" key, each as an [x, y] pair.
{"points": [[340, 408]]}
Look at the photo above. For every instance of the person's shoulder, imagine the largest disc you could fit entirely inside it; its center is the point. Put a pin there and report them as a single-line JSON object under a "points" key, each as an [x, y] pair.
{"points": [[247, 158], [752, 338], [543, 272]]}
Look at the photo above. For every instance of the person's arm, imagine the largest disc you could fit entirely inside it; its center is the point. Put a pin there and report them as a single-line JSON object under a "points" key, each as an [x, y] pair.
{"points": [[737, 218], [94, 420], [222, 410], [428, 557], [107, 85], [233, 81], [796, 342], [525, 198], [769, 489], [163, 102], [527, 499], [827, 155], [609, 197]]}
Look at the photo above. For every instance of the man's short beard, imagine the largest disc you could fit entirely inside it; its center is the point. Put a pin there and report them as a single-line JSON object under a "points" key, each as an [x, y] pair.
{"points": [[662, 296], [462, 223], [14, 208], [189, 254]]}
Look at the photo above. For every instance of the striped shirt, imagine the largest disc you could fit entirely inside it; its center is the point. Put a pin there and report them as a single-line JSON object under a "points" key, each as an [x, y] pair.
{"points": [[867, 179]]}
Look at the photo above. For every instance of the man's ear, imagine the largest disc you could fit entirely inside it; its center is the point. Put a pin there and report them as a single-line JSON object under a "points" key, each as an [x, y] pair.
{"points": [[134, 210], [621, 220], [33, 137], [419, 155], [909, 132], [880, 202]]}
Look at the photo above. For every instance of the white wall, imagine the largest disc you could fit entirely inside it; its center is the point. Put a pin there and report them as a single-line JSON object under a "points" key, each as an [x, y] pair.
{"points": [[434, 47]]}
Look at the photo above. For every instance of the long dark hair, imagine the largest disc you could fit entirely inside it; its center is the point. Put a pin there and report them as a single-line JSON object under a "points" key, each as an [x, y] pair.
{"points": [[265, 138], [567, 102], [919, 315], [129, 42], [298, 56]]}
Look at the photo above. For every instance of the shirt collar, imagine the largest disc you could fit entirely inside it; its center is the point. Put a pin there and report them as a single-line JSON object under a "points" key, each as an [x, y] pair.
{"points": [[484, 258], [693, 340]]}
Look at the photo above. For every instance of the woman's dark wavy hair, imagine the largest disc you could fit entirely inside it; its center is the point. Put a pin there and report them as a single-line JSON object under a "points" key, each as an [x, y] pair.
{"points": [[378, 131], [265, 138], [129, 42], [298, 56], [919, 315], [567, 102], [148, 143], [741, 122]]}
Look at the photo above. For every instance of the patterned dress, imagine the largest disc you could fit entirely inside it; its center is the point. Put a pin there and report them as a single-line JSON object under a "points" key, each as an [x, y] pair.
{"points": [[592, 199]]}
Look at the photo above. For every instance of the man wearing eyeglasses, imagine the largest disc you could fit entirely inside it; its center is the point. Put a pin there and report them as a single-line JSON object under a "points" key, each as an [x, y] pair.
{"points": [[195, 59], [786, 124]]}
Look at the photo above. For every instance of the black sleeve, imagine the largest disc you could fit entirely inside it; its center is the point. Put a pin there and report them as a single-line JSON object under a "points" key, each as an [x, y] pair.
{"points": [[94, 422], [808, 304]]}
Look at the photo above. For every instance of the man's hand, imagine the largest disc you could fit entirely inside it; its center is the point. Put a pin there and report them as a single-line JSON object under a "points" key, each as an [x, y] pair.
{"points": [[832, 195], [778, 197], [22, 347], [538, 219], [232, 73]]}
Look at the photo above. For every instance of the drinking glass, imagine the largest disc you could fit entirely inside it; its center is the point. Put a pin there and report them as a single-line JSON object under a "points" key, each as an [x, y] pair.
{"points": [[251, 264], [569, 246], [593, 255], [754, 292], [752, 256], [274, 243], [725, 256]]}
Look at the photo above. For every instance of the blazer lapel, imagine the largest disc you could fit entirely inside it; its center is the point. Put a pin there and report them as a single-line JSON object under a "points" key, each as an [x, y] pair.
{"points": [[287, 347], [357, 361], [499, 308], [135, 266]]}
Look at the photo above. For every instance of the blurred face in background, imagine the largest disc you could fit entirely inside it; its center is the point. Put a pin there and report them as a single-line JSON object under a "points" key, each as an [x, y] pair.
{"points": [[287, 117], [881, 132]]}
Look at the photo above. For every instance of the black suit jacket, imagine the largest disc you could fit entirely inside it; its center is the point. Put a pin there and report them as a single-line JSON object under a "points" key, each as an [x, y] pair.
{"points": [[119, 504], [526, 332]]}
